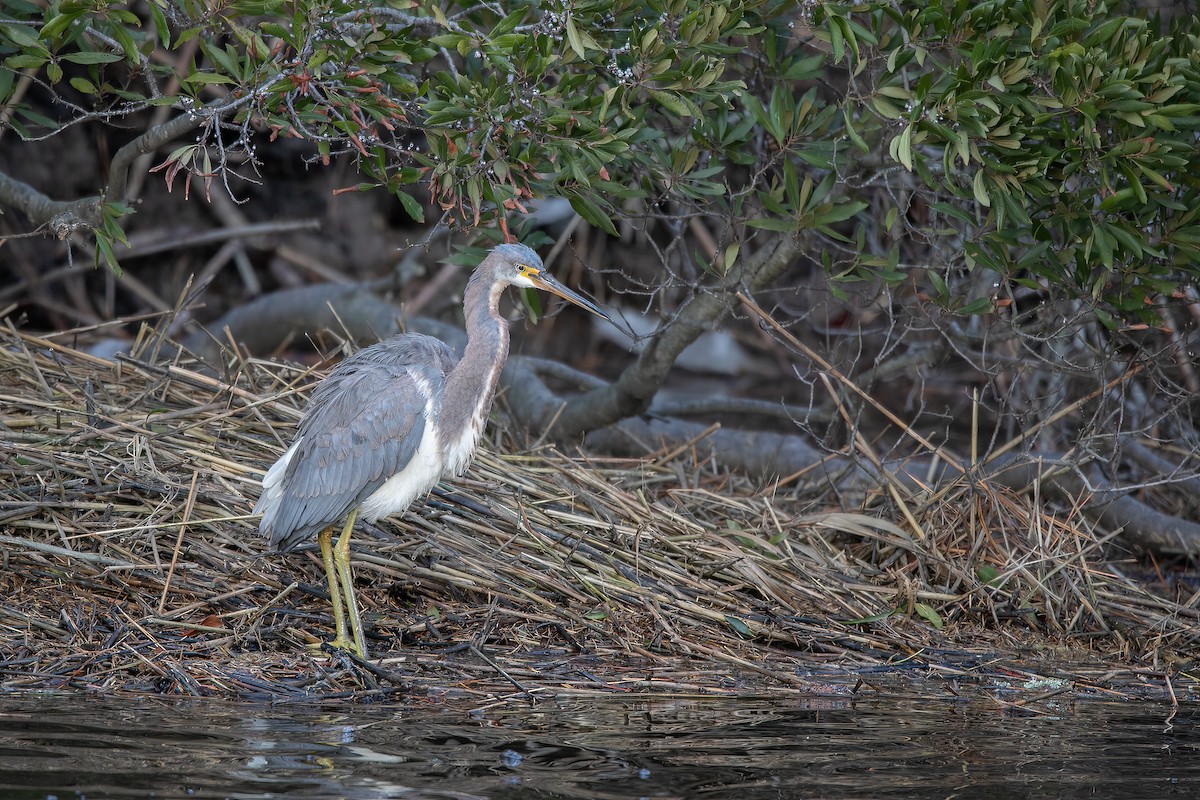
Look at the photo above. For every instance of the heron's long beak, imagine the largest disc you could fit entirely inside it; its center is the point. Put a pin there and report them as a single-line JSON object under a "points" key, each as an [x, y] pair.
{"points": [[544, 280]]}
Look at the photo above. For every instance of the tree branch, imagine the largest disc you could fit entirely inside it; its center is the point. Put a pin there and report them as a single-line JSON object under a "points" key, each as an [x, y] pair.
{"points": [[64, 217], [148, 142], [1112, 507], [632, 392], [266, 322]]}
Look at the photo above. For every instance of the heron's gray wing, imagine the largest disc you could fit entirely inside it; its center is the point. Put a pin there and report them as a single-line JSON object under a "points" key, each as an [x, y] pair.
{"points": [[363, 424]]}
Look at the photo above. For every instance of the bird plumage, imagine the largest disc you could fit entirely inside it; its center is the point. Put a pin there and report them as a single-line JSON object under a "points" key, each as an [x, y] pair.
{"points": [[363, 425], [389, 422]]}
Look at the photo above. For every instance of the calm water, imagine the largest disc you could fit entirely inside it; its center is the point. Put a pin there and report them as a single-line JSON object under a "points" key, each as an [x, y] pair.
{"points": [[83, 746]]}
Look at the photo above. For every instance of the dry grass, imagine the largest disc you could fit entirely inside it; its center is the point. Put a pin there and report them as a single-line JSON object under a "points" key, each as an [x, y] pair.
{"points": [[130, 563]]}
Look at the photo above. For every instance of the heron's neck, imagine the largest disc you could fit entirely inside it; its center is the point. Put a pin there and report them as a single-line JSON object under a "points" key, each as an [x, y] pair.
{"points": [[467, 397]]}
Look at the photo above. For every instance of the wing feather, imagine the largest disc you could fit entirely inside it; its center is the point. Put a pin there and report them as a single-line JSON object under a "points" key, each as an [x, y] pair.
{"points": [[363, 424]]}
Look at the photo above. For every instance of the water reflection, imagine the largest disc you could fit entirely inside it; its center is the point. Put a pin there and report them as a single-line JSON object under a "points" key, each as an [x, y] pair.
{"points": [[81, 745]]}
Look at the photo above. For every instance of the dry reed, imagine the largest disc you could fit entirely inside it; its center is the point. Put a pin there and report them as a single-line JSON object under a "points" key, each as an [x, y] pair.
{"points": [[130, 563]]}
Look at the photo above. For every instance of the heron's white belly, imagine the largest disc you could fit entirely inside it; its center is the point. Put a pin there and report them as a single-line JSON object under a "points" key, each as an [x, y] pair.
{"points": [[419, 475], [460, 451]]}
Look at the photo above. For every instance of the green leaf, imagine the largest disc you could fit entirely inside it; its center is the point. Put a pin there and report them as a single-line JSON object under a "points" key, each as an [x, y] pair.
{"points": [[885, 108], [953, 211], [36, 118], [855, 138], [160, 23], [25, 61], [980, 190], [672, 102], [200, 78], [988, 575], [187, 35], [127, 42], [450, 41], [104, 248], [898, 92], [841, 212], [731, 254], [91, 57], [1162, 182], [579, 40], [84, 86], [980, 305], [939, 285], [24, 37], [903, 147], [768, 122], [1104, 244], [836, 38], [592, 213], [276, 30], [411, 206], [58, 24], [931, 616], [774, 224], [224, 59], [742, 628]]}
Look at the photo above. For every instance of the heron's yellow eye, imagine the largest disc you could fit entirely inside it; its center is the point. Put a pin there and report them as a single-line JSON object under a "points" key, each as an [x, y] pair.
{"points": [[526, 271]]}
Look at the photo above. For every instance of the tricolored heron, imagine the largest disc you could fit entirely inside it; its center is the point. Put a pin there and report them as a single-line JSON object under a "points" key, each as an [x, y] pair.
{"points": [[389, 422]]}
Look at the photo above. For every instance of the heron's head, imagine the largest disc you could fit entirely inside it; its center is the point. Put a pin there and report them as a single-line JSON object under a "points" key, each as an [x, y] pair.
{"points": [[517, 265]]}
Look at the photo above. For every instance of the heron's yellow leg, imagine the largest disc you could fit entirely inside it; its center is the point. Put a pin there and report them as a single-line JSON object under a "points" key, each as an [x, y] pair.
{"points": [[325, 542], [341, 557]]}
